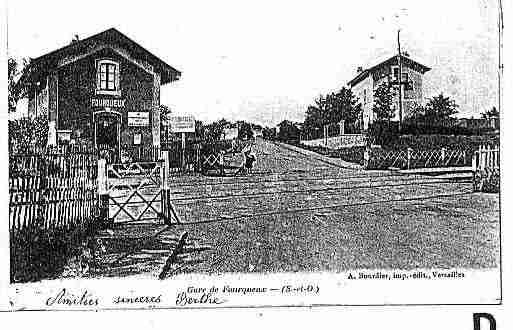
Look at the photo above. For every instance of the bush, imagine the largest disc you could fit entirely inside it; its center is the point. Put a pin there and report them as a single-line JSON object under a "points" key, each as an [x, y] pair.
{"points": [[38, 253], [351, 154], [383, 133], [487, 181], [470, 143], [28, 132], [422, 128]]}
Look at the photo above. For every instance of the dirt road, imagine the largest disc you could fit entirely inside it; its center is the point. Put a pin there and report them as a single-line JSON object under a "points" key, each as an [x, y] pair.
{"points": [[301, 212]]}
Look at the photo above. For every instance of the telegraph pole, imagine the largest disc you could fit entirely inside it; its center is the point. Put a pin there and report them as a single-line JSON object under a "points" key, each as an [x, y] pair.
{"points": [[400, 80], [501, 67]]}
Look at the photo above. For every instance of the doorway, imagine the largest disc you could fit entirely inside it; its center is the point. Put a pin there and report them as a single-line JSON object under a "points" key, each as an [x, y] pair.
{"points": [[107, 134]]}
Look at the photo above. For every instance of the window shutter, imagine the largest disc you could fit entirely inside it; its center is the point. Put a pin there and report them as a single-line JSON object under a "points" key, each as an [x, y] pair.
{"points": [[116, 78], [98, 66]]}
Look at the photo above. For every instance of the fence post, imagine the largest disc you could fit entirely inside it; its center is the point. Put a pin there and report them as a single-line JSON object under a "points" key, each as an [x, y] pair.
{"points": [[165, 195], [366, 158], [221, 162], [325, 136], [443, 156], [408, 157], [198, 157], [103, 194], [183, 152]]}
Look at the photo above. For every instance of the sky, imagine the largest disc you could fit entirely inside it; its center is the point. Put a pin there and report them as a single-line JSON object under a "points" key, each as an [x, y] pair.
{"points": [[265, 61]]}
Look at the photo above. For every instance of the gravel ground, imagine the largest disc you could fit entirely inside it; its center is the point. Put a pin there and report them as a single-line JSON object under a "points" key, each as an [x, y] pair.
{"points": [[299, 213]]}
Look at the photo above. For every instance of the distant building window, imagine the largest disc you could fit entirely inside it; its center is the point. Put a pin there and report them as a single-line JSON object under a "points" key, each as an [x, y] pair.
{"points": [[395, 73], [107, 77]]}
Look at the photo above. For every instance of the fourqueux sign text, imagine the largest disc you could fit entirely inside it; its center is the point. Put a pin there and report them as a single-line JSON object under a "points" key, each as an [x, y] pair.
{"points": [[110, 103]]}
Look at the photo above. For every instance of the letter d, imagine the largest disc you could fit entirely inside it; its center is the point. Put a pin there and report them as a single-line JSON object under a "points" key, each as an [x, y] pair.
{"points": [[489, 317]]}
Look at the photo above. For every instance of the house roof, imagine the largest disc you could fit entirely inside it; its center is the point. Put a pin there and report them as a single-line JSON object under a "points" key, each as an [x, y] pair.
{"points": [[405, 59], [49, 61]]}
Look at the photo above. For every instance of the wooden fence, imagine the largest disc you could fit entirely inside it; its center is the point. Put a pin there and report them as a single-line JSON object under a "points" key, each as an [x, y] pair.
{"points": [[378, 158], [52, 187], [52, 207], [486, 169], [486, 158]]}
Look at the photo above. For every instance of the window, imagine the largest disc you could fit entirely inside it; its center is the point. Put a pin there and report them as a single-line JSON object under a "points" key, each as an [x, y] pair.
{"points": [[107, 77], [395, 73]]}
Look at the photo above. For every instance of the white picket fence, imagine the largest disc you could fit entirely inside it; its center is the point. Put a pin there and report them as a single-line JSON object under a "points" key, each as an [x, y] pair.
{"points": [[486, 158], [486, 168]]}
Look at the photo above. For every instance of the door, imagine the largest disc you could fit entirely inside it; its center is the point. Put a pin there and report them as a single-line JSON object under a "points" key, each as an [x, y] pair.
{"points": [[107, 131]]}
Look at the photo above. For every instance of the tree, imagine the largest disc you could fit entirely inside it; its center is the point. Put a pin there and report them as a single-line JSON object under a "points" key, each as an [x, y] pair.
{"points": [[331, 109], [347, 107], [215, 130], [384, 106], [269, 133], [28, 132], [199, 131], [439, 109], [289, 132], [17, 86], [492, 113], [313, 120], [245, 130], [416, 114]]}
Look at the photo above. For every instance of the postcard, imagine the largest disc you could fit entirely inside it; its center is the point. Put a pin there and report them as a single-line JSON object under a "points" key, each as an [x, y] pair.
{"points": [[214, 155]]}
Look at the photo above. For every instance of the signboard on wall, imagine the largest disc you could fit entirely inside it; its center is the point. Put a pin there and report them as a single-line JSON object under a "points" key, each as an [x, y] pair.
{"points": [[138, 118], [182, 124], [110, 103]]}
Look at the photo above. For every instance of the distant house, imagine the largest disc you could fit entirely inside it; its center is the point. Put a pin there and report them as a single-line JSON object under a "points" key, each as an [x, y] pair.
{"points": [[367, 80], [230, 132]]}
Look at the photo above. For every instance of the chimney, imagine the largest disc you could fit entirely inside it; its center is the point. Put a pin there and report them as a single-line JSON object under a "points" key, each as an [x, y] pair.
{"points": [[406, 54], [359, 69], [75, 39]]}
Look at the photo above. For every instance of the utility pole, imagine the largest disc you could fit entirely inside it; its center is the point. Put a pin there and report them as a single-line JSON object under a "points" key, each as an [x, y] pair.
{"points": [[501, 67], [400, 80]]}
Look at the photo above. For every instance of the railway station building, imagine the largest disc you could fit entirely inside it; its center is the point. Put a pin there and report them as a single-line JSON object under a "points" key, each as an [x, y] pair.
{"points": [[102, 91]]}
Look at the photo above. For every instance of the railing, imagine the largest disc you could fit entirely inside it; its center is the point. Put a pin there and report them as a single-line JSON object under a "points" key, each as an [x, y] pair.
{"points": [[377, 158]]}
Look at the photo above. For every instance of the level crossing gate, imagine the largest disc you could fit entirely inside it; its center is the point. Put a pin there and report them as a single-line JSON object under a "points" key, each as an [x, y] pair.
{"points": [[136, 192]]}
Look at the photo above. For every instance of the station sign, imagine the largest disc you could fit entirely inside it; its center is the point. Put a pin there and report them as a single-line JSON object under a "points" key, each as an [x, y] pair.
{"points": [[108, 103], [141, 118], [182, 124]]}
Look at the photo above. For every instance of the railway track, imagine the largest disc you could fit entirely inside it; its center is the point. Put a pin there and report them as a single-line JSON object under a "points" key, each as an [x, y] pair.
{"points": [[370, 185]]}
